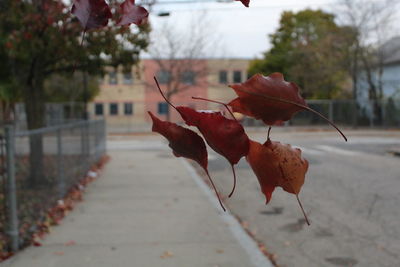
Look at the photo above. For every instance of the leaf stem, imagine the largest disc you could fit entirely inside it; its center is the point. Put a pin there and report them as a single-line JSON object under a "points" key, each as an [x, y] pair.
{"points": [[234, 180], [296, 104], [302, 209], [83, 37], [215, 189], [162, 94], [269, 131], [297, 195], [218, 102]]}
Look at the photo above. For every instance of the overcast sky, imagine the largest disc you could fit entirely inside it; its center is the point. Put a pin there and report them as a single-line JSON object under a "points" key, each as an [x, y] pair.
{"points": [[243, 32]]}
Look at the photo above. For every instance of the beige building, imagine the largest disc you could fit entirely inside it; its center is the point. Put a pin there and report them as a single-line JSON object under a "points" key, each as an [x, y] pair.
{"points": [[223, 72], [123, 96]]}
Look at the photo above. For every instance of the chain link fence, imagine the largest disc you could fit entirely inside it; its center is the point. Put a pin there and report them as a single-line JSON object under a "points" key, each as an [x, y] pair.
{"points": [[343, 113], [38, 168]]}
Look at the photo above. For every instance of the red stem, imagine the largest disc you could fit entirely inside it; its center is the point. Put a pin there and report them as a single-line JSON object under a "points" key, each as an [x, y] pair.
{"points": [[296, 104], [215, 101], [234, 181], [215, 189], [161, 92], [297, 195], [301, 206]]}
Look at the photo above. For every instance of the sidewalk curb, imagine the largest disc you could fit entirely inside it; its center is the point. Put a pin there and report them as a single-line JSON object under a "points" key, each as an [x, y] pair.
{"points": [[249, 245]]}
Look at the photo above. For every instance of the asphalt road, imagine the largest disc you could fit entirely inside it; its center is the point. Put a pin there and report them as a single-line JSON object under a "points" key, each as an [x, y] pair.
{"points": [[351, 195]]}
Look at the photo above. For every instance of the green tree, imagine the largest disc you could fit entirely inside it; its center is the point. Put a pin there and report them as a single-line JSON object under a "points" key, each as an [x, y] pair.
{"points": [[308, 48], [72, 89], [40, 38]]}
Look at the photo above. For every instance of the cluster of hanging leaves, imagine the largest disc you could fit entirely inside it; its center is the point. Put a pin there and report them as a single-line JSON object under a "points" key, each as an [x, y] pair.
{"points": [[270, 99], [94, 14]]}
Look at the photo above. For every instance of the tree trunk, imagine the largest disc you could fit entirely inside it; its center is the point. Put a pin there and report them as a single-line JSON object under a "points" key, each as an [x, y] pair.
{"points": [[35, 115]]}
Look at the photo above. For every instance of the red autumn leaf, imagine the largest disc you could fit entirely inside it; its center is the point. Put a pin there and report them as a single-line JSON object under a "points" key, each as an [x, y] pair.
{"points": [[245, 2], [224, 136], [132, 13], [91, 14], [271, 99], [184, 143], [268, 110], [277, 164]]}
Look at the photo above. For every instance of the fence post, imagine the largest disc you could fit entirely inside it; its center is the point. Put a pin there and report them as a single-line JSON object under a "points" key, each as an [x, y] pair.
{"points": [[97, 139], [60, 167], [330, 116], [84, 136], [103, 137], [11, 189]]}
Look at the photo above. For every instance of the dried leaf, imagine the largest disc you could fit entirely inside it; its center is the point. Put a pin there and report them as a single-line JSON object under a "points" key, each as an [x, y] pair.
{"points": [[271, 99], [276, 164], [269, 109], [167, 254], [91, 14], [132, 13], [184, 143], [225, 136], [245, 2]]}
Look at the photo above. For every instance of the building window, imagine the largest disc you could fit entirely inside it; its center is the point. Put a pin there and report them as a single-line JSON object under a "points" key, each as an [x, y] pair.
{"points": [[128, 108], [163, 76], [128, 78], [223, 76], [98, 109], [113, 108], [237, 76], [188, 77], [163, 108], [112, 77]]}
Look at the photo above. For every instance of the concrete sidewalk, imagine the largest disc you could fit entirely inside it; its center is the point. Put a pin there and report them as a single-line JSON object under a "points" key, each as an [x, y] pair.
{"points": [[148, 208]]}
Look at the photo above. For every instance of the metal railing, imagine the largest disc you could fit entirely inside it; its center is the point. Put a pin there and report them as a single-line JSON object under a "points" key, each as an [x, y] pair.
{"points": [[38, 168]]}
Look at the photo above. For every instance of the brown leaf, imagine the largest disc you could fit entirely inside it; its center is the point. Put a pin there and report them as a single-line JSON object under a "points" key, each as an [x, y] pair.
{"points": [[132, 13], [167, 254], [276, 164], [92, 14], [70, 243], [268, 109]]}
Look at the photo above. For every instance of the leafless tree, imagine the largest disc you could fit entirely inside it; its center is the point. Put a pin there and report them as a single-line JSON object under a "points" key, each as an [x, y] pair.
{"points": [[371, 25], [180, 55]]}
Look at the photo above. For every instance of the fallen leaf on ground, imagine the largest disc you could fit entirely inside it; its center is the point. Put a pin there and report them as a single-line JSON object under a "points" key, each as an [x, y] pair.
{"points": [[220, 251], [167, 254], [70, 243]]}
